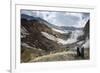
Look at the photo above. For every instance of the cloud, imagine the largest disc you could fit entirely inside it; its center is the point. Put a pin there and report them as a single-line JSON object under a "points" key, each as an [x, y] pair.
{"points": [[74, 19]]}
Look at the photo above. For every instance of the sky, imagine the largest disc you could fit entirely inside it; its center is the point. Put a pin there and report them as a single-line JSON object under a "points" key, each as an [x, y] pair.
{"points": [[73, 19]]}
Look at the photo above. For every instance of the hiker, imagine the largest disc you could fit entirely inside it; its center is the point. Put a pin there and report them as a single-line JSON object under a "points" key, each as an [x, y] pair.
{"points": [[82, 52], [78, 51]]}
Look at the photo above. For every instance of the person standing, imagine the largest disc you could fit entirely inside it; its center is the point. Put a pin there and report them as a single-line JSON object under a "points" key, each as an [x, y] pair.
{"points": [[78, 51], [82, 52]]}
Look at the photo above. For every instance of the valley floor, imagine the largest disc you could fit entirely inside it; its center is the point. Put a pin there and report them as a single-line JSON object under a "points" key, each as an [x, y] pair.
{"points": [[60, 56]]}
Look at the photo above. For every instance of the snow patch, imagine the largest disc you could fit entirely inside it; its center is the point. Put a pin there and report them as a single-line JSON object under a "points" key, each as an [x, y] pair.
{"points": [[86, 45], [24, 32], [49, 36], [26, 45], [64, 42], [60, 31]]}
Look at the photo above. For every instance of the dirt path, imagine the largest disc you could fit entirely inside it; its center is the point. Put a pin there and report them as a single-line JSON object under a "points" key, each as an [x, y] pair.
{"points": [[61, 56]]}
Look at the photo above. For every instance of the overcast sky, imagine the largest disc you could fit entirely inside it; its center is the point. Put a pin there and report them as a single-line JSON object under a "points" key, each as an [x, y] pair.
{"points": [[74, 19]]}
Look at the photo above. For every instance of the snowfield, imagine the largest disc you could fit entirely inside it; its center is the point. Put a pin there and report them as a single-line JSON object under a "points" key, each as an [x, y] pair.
{"points": [[60, 31]]}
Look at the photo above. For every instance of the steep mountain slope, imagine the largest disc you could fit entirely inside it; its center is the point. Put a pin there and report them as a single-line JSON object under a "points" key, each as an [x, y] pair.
{"points": [[34, 37]]}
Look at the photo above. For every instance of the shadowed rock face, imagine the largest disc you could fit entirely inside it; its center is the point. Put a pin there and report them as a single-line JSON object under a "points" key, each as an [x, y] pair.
{"points": [[86, 32], [86, 29]]}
